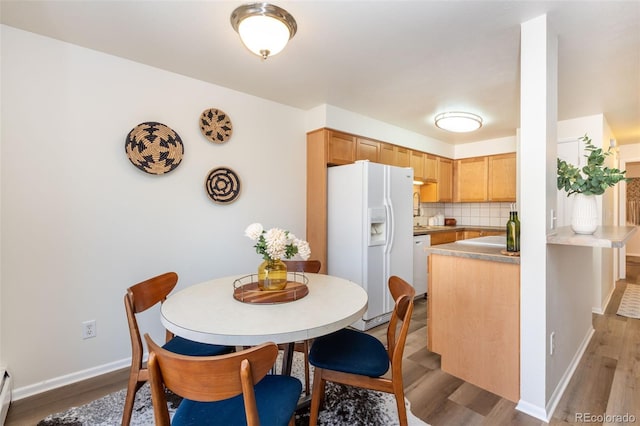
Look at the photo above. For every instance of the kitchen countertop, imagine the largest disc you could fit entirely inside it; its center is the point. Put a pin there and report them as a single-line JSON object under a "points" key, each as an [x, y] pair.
{"points": [[427, 230], [472, 252], [605, 236]]}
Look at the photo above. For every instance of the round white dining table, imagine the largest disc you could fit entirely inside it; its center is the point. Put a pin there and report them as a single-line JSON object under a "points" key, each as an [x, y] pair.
{"points": [[208, 312]]}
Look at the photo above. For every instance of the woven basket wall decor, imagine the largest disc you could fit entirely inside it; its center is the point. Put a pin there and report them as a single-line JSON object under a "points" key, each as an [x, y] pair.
{"points": [[222, 185], [154, 148], [216, 125]]}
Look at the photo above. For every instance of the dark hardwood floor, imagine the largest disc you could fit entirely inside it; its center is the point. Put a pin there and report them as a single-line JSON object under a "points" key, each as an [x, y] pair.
{"points": [[606, 382]]}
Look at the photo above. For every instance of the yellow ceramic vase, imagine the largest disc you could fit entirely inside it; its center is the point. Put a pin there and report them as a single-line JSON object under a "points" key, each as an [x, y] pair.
{"points": [[272, 275]]}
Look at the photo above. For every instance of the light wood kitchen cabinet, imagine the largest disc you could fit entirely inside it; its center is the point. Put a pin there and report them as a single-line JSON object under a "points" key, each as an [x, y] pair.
{"points": [[470, 176], [488, 178], [367, 149], [387, 154], [443, 237], [445, 179], [474, 321], [317, 161], [417, 164], [341, 148], [403, 157], [476, 234], [430, 167], [502, 177], [442, 189], [394, 155]]}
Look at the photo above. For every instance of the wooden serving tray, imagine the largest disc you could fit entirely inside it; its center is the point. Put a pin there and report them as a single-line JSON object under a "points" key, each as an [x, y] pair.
{"points": [[250, 293], [510, 253]]}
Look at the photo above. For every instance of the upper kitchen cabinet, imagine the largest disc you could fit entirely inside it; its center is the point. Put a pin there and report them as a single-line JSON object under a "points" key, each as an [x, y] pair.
{"points": [[442, 189], [489, 178], [417, 164], [394, 155], [387, 153], [502, 177], [341, 148], [445, 179], [403, 157], [430, 167], [470, 176], [367, 149]]}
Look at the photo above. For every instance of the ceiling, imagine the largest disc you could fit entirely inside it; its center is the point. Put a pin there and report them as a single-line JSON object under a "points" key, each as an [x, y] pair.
{"points": [[400, 62]]}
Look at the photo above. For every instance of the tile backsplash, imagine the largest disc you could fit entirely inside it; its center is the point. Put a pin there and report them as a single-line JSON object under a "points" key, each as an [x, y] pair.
{"points": [[479, 214]]}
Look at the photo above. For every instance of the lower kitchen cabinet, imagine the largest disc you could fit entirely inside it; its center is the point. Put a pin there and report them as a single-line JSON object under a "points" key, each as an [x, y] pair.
{"points": [[474, 321], [443, 237], [483, 233]]}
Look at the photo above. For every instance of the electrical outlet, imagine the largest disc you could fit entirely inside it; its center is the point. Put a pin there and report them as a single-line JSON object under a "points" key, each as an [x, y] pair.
{"points": [[89, 329], [552, 343]]}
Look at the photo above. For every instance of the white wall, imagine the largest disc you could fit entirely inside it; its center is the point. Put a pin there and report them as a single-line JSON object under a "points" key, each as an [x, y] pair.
{"points": [[80, 223], [486, 147]]}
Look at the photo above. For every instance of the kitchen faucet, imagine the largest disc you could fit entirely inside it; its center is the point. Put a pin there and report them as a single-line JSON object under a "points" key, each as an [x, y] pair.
{"points": [[416, 202]]}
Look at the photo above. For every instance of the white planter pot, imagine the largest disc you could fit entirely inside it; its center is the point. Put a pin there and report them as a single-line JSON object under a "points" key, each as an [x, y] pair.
{"points": [[584, 218]]}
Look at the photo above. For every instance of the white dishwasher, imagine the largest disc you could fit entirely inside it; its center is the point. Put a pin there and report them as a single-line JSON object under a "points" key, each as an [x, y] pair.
{"points": [[420, 242]]}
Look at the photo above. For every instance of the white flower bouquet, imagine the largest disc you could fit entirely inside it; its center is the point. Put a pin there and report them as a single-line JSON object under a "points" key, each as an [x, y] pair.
{"points": [[276, 243]]}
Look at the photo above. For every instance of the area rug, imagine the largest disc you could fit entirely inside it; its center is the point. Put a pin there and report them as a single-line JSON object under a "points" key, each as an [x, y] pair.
{"points": [[630, 303], [344, 405]]}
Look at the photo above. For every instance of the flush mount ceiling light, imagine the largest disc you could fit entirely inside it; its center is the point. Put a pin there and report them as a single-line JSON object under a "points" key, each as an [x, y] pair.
{"points": [[264, 28], [458, 121]]}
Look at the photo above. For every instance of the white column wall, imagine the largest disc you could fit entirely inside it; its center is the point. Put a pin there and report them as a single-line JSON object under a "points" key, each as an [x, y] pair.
{"points": [[538, 115]]}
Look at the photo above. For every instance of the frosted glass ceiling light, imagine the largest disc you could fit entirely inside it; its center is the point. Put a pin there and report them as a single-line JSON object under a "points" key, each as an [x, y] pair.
{"points": [[459, 122], [265, 29]]}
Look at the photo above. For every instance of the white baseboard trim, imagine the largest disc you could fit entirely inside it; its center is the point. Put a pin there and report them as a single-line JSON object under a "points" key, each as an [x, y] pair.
{"points": [[532, 410], [566, 377], [632, 254], [56, 382], [600, 311]]}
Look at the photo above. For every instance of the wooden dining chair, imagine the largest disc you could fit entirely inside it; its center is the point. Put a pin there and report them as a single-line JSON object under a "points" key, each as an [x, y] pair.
{"points": [[230, 389], [311, 266], [355, 358], [139, 298]]}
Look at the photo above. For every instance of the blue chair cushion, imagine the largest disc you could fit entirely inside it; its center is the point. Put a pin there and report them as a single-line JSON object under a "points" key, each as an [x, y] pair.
{"points": [[350, 351], [182, 346], [276, 398]]}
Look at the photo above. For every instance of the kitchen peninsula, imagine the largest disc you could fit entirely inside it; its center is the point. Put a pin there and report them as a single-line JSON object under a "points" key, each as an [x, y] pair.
{"points": [[473, 314]]}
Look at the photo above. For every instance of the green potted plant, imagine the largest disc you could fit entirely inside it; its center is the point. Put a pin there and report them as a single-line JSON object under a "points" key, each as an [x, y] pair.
{"points": [[587, 182]]}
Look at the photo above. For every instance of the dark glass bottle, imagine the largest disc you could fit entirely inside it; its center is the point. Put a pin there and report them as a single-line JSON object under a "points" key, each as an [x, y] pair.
{"points": [[515, 217], [512, 230]]}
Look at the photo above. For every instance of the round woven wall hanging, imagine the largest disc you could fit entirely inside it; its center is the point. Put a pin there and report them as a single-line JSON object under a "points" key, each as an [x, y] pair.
{"points": [[216, 125], [154, 148], [222, 185]]}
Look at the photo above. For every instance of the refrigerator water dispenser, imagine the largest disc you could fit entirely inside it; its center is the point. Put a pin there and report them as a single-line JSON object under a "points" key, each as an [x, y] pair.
{"points": [[377, 226]]}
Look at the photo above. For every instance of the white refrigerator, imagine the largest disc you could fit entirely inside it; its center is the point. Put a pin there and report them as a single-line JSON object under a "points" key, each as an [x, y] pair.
{"points": [[370, 231]]}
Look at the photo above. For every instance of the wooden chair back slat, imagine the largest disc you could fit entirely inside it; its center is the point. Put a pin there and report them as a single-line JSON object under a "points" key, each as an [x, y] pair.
{"points": [[211, 378], [403, 293], [311, 266], [149, 292], [139, 298]]}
